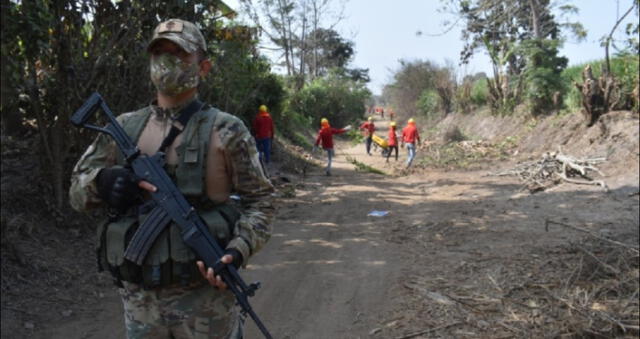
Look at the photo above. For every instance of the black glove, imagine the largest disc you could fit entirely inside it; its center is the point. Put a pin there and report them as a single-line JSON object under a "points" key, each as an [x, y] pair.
{"points": [[118, 187], [237, 257]]}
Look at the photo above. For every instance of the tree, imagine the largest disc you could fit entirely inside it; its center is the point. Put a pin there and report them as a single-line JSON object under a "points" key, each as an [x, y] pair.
{"points": [[58, 52], [300, 32], [501, 27], [330, 51], [409, 83]]}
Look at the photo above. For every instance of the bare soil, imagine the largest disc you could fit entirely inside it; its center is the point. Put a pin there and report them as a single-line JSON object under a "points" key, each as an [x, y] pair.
{"points": [[461, 254]]}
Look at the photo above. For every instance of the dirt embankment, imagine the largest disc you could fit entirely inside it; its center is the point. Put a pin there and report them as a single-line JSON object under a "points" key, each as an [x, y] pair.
{"points": [[615, 136]]}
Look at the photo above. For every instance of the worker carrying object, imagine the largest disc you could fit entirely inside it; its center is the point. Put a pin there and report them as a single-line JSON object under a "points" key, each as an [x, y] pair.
{"points": [[368, 127], [392, 140]]}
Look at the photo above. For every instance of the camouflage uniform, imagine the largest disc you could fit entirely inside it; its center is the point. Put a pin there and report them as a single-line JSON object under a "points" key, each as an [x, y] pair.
{"points": [[194, 310]]}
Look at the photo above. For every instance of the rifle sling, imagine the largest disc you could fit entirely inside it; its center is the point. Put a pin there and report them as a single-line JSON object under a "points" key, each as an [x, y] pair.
{"points": [[186, 114]]}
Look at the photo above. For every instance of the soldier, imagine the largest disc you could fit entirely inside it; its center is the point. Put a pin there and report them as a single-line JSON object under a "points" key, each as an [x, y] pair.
{"points": [[214, 156]]}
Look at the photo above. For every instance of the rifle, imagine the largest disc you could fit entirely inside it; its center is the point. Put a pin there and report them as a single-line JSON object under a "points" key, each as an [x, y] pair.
{"points": [[170, 206]]}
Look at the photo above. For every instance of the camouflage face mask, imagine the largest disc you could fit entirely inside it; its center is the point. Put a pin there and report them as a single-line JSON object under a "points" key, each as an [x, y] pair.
{"points": [[172, 76]]}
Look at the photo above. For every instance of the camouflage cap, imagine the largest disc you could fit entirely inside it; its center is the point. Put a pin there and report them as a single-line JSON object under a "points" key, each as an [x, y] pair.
{"points": [[184, 33]]}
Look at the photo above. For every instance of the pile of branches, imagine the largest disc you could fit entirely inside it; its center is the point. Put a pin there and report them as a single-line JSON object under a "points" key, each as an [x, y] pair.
{"points": [[554, 168], [588, 289]]}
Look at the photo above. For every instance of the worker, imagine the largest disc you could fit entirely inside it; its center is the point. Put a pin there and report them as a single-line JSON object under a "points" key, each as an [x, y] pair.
{"points": [[262, 130], [409, 137], [368, 127], [325, 138], [392, 140]]}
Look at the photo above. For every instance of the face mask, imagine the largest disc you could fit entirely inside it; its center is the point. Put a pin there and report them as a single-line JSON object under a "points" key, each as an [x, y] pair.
{"points": [[172, 76]]}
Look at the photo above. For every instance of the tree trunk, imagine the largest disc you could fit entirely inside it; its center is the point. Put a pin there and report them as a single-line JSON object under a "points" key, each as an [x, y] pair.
{"points": [[593, 101]]}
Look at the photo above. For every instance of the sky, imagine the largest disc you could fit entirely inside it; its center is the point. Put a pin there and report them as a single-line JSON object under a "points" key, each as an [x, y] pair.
{"points": [[384, 32]]}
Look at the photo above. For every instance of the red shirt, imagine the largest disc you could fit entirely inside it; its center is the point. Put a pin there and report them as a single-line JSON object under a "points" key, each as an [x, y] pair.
{"points": [[262, 126], [393, 138], [325, 135], [369, 127], [410, 134]]}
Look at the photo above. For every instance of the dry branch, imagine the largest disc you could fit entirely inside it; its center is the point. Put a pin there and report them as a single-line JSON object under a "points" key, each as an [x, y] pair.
{"points": [[553, 168], [415, 334], [617, 243]]}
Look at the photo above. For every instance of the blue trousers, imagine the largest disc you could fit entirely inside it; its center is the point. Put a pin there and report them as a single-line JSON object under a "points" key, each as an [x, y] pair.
{"points": [[264, 148], [411, 148], [330, 154]]}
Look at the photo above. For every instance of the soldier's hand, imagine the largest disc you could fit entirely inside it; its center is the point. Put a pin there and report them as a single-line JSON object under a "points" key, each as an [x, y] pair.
{"points": [[147, 186], [210, 275], [118, 187]]}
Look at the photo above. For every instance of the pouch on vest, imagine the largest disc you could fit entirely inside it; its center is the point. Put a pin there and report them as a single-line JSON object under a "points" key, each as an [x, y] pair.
{"points": [[116, 237], [190, 172]]}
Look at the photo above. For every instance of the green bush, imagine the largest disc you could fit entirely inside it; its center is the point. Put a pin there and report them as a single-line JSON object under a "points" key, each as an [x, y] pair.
{"points": [[428, 103], [542, 74], [334, 97], [479, 92]]}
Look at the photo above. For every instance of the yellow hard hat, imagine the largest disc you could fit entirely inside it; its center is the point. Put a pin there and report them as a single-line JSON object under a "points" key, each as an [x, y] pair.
{"points": [[411, 121], [370, 118], [263, 108], [392, 124], [324, 121]]}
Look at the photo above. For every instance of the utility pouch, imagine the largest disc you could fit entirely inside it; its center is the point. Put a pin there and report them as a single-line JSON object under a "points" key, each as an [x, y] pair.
{"points": [[116, 237]]}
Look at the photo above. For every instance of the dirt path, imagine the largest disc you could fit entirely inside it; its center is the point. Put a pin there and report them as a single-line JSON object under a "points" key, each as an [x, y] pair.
{"points": [[330, 271]]}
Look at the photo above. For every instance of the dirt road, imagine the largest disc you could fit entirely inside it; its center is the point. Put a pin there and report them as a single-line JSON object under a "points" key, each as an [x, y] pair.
{"points": [[450, 244]]}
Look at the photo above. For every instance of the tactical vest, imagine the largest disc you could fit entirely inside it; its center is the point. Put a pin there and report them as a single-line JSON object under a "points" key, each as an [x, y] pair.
{"points": [[169, 260]]}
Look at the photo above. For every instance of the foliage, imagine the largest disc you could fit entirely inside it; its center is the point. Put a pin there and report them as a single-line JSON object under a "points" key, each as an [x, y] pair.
{"points": [[339, 99], [500, 27], [55, 53], [479, 92], [542, 75], [410, 82], [427, 104]]}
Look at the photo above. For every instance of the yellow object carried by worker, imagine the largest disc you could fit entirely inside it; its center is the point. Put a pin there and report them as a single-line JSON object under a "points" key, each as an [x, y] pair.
{"points": [[381, 142]]}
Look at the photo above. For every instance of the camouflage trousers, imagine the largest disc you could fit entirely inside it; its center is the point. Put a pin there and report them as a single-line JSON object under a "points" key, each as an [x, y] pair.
{"points": [[191, 312]]}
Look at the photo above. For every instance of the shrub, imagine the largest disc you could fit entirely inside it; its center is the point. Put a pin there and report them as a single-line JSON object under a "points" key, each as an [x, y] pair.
{"points": [[453, 134], [334, 97], [479, 92], [428, 103]]}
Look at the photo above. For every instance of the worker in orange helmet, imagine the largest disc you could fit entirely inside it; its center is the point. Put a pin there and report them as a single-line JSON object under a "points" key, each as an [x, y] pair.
{"points": [[368, 127], [262, 130], [325, 138], [392, 140], [409, 137]]}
